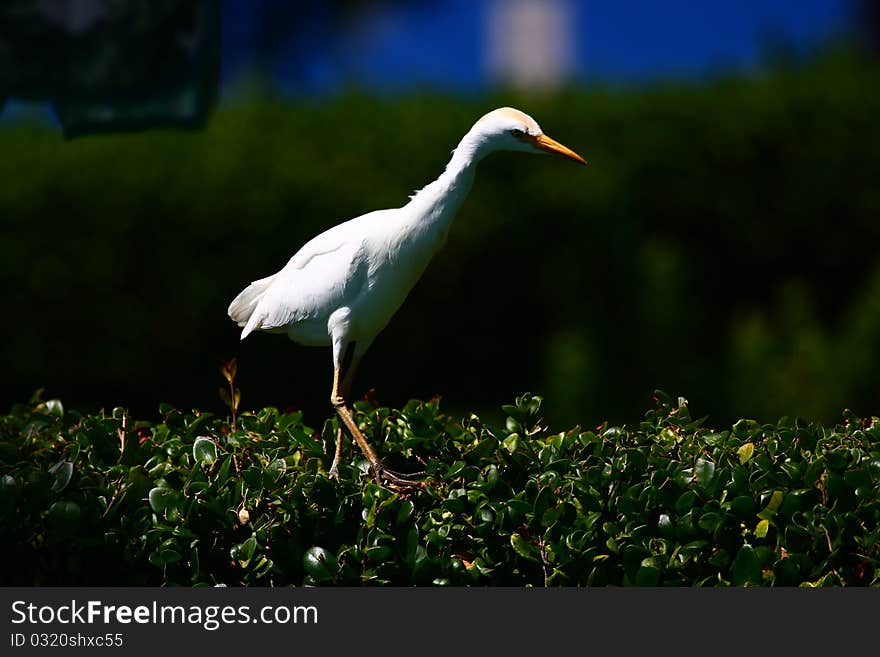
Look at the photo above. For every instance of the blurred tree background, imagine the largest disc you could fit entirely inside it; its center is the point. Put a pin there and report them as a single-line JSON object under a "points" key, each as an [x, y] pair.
{"points": [[722, 245]]}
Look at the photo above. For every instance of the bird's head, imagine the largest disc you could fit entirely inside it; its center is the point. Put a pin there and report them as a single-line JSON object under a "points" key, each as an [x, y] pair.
{"points": [[511, 130]]}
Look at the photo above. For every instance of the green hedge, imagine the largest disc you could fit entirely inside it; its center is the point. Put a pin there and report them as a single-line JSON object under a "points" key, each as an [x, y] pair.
{"points": [[187, 500]]}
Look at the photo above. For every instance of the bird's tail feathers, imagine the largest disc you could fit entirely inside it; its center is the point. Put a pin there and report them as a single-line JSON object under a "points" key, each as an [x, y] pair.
{"points": [[242, 308], [252, 324]]}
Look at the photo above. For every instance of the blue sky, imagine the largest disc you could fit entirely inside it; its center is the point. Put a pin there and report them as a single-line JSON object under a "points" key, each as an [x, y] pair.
{"points": [[439, 42]]}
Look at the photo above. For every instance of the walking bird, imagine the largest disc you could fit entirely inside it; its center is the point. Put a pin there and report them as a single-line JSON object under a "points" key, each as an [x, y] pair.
{"points": [[342, 287]]}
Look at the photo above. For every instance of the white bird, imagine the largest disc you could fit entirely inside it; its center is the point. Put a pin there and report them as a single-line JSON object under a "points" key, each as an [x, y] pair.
{"points": [[342, 287]]}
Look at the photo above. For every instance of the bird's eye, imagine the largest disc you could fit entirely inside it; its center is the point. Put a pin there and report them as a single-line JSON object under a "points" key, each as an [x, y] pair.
{"points": [[517, 132]]}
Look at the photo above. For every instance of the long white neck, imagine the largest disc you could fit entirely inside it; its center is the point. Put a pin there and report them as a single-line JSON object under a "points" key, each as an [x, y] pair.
{"points": [[434, 206]]}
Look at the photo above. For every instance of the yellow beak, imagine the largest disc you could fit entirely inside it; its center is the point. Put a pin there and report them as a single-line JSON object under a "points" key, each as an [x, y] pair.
{"points": [[545, 143]]}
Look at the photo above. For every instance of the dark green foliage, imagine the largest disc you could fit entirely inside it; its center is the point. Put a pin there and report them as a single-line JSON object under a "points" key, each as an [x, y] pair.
{"points": [[104, 499], [723, 240]]}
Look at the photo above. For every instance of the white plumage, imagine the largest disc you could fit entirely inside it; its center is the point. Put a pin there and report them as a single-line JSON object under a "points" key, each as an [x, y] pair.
{"points": [[342, 287]]}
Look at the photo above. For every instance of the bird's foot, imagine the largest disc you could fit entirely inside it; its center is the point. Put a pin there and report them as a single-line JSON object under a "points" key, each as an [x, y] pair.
{"points": [[398, 480], [334, 473]]}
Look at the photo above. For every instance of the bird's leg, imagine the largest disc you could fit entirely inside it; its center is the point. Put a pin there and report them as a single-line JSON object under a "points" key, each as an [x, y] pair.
{"points": [[381, 473], [348, 366], [337, 455]]}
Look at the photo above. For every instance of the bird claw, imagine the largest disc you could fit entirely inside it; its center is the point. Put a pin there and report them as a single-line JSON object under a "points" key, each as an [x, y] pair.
{"points": [[389, 478], [399, 480]]}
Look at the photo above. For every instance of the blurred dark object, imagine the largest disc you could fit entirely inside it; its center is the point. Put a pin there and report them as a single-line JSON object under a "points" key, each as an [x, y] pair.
{"points": [[112, 65], [290, 33], [869, 19]]}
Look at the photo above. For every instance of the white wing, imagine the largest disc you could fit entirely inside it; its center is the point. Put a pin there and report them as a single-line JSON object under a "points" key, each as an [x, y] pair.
{"points": [[328, 272], [328, 280]]}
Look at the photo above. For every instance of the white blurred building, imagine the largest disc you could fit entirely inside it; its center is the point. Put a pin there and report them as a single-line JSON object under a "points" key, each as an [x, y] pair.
{"points": [[530, 43]]}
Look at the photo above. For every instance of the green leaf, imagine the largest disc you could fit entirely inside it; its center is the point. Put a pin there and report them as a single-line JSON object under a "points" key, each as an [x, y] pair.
{"points": [[647, 576], [404, 512], [223, 475], [772, 506], [632, 557], [61, 472], [746, 567], [762, 527], [786, 572], [165, 502], [744, 428], [694, 546], [511, 443], [8, 485], [204, 451], [836, 459], [379, 553], [244, 552], [454, 469], [55, 407], [704, 471], [720, 559], [685, 501], [274, 472], [65, 512], [745, 453], [511, 410], [743, 506], [155, 558], [710, 521], [320, 564], [522, 547], [664, 524]]}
